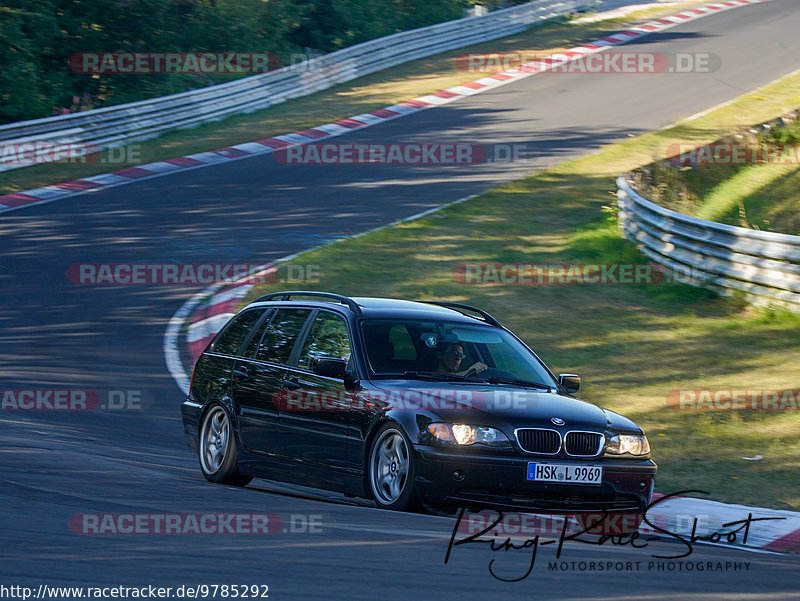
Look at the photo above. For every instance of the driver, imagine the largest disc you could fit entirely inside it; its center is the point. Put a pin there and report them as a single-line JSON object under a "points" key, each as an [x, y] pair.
{"points": [[450, 357]]}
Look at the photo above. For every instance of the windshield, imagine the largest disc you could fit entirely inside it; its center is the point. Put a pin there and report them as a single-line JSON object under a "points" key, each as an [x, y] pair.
{"points": [[451, 351]]}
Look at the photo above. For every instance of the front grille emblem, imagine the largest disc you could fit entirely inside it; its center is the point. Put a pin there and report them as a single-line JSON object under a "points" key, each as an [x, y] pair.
{"points": [[557, 421]]}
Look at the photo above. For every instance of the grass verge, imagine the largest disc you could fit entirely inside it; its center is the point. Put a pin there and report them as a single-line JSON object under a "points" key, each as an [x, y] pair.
{"points": [[633, 344], [366, 94]]}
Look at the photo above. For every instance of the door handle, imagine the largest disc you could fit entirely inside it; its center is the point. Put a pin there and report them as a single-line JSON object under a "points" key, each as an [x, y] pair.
{"points": [[240, 373]]}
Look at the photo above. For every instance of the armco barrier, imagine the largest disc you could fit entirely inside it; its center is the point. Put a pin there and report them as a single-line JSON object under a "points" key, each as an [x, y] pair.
{"points": [[123, 124], [763, 265]]}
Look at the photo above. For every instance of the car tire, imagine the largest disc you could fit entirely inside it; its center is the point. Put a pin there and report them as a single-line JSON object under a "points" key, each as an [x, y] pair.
{"points": [[217, 449], [390, 470]]}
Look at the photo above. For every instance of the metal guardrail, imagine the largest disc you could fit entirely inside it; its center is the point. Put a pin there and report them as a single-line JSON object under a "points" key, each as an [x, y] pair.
{"points": [[763, 265], [133, 122]]}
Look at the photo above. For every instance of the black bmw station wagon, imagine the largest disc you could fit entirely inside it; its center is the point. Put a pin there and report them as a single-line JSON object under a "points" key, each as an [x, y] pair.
{"points": [[406, 403]]}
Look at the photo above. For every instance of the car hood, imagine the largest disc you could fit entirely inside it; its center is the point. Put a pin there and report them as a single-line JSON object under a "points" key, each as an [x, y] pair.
{"points": [[501, 406]]}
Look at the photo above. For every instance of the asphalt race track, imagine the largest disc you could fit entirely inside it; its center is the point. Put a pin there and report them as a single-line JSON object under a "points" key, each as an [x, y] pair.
{"points": [[58, 335]]}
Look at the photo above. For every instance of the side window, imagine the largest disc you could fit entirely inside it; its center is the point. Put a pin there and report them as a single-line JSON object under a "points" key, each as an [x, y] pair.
{"points": [[327, 338], [403, 345], [252, 345], [234, 335], [281, 334]]}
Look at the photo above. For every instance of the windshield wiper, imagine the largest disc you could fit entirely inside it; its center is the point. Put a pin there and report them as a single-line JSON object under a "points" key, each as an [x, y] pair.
{"points": [[435, 375], [519, 382]]}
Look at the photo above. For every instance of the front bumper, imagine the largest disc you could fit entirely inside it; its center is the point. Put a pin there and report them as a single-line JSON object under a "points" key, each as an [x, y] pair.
{"points": [[500, 482]]}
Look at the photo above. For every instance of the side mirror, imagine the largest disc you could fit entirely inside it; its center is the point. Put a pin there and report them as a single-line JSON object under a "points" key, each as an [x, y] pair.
{"points": [[329, 367], [570, 382]]}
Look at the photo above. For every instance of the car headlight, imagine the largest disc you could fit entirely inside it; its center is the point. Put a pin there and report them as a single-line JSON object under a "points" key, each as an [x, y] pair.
{"points": [[628, 444], [465, 434]]}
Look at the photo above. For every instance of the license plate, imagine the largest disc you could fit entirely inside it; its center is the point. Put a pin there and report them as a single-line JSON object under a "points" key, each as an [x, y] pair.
{"points": [[565, 473]]}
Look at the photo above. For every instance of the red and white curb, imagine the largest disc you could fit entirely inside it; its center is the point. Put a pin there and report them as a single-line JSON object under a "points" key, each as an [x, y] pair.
{"points": [[47, 194], [768, 529]]}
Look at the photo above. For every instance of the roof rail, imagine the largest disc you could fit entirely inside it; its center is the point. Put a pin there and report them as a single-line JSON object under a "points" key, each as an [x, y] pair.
{"points": [[462, 308], [287, 295]]}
